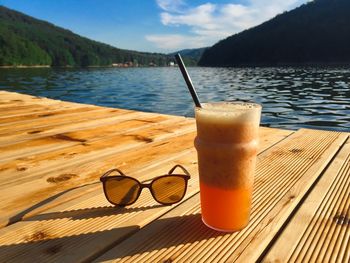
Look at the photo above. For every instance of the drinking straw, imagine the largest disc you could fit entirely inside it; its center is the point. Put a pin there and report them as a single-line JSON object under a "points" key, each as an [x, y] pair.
{"points": [[188, 80]]}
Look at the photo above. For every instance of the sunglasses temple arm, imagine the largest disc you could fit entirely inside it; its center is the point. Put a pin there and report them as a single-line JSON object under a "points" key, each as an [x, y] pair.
{"points": [[111, 171], [181, 167]]}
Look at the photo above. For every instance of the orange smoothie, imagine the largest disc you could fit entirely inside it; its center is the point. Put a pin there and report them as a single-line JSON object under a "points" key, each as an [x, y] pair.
{"points": [[227, 143]]}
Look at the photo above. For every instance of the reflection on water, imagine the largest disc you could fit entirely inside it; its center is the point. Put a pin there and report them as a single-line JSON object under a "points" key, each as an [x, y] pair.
{"points": [[291, 97]]}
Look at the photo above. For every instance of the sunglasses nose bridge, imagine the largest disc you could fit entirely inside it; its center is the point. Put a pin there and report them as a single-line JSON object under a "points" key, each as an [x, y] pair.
{"points": [[148, 186]]}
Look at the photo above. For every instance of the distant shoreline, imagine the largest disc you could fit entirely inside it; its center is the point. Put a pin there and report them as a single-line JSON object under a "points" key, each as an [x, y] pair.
{"points": [[25, 66], [280, 65], [258, 65], [70, 67]]}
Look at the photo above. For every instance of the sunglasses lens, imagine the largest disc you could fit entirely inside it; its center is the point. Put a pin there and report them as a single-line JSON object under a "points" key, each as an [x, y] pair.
{"points": [[121, 190], [169, 189]]}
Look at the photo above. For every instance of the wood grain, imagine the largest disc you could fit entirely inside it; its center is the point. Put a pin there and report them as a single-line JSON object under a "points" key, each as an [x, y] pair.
{"points": [[320, 230]]}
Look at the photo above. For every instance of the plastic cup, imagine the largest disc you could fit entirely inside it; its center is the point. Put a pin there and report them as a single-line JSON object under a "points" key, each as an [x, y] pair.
{"points": [[227, 145]]}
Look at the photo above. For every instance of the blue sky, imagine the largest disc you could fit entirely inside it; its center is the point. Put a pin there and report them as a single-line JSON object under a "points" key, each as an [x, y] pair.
{"points": [[154, 25]]}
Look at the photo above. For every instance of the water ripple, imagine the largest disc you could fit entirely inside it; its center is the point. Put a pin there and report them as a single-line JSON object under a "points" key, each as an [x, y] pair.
{"points": [[292, 98]]}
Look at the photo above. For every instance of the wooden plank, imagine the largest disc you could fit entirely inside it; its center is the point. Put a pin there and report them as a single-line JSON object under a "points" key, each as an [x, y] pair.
{"points": [[19, 107], [88, 225], [18, 110], [284, 174], [268, 137], [18, 100], [320, 229], [28, 116], [24, 99], [34, 133], [20, 150], [39, 124]]}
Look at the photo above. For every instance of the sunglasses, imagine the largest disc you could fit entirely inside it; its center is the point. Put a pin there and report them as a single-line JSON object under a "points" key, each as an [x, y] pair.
{"points": [[124, 190]]}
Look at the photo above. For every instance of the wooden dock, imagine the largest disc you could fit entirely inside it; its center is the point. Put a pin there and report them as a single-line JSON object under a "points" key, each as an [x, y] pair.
{"points": [[53, 209]]}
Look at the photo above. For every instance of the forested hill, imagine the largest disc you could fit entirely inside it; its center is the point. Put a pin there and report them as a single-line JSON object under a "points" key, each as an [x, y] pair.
{"points": [[25, 40], [191, 56], [315, 33]]}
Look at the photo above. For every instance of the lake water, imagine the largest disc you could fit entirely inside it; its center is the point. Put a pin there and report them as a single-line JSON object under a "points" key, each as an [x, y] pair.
{"points": [[292, 98]]}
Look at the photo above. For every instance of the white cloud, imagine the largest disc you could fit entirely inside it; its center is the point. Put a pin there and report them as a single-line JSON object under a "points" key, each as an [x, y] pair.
{"points": [[201, 15], [170, 5], [175, 41], [209, 23]]}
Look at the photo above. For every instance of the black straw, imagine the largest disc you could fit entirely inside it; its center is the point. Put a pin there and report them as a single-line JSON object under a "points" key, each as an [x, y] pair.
{"points": [[188, 80]]}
